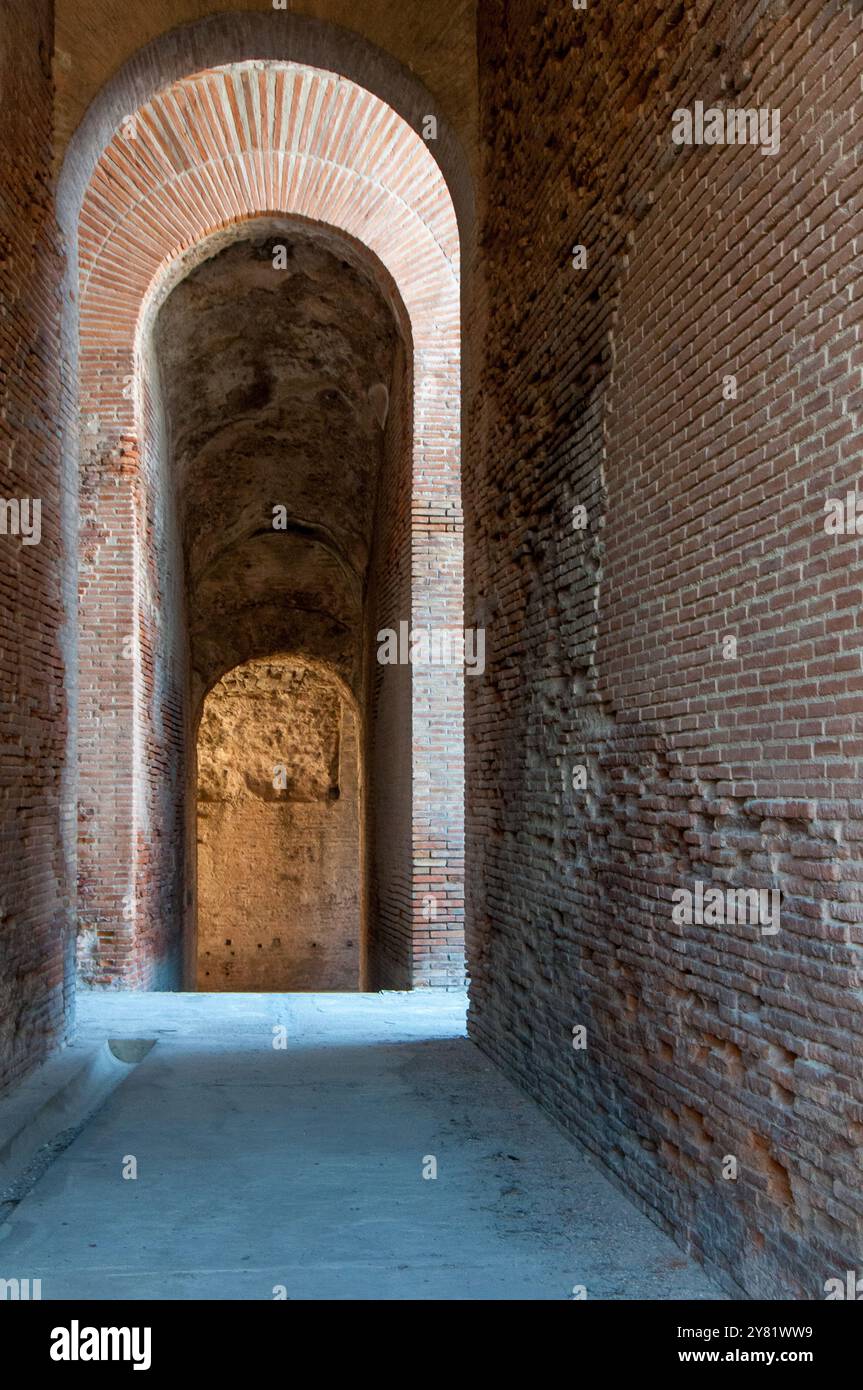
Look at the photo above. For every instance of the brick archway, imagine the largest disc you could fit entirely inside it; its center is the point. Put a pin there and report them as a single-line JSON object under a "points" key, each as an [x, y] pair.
{"points": [[213, 150]]}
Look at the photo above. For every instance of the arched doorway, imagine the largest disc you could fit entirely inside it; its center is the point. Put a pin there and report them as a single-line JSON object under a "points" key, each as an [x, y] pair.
{"points": [[279, 819], [262, 140]]}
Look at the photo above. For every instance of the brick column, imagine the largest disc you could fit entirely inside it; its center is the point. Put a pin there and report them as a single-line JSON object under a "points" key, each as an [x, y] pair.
{"points": [[108, 673], [437, 873]]}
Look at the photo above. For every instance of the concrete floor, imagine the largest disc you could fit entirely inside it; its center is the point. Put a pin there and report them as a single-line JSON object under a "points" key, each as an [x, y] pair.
{"points": [[303, 1167]]}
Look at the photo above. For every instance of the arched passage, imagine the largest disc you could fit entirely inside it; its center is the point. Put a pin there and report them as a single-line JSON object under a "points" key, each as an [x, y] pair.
{"points": [[260, 139], [276, 374]]}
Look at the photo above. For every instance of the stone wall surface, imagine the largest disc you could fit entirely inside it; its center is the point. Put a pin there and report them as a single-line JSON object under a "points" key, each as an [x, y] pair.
{"points": [[620, 748], [37, 567], [278, 832], [435, 40]]}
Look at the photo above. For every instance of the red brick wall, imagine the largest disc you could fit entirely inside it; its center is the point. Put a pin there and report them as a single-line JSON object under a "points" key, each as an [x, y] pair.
{"points": [[603, 387], [388, 702], [134, 722], [164, 732], [37, 854], [415, 726], [437, 692]]}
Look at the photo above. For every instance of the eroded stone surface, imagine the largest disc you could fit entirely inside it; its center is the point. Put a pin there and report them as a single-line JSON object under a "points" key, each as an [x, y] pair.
{"points": [[278, 832]]}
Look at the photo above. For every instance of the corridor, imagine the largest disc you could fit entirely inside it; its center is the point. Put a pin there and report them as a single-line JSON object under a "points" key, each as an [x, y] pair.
{"points": [[431, 541], [297, 1173]]}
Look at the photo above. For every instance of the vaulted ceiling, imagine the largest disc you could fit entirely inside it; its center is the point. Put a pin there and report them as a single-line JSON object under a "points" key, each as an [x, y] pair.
{"points": [[276, 358]]}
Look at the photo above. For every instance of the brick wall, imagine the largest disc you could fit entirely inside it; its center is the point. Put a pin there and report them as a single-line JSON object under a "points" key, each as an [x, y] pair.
{"points": [[415, 726], [164, 735], [602, 387], [387, 699], [437, 694], [133, 667], [37, 854]]}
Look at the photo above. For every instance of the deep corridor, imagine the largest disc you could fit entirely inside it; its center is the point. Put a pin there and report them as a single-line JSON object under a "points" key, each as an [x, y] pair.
{"points": [[430, 541]]}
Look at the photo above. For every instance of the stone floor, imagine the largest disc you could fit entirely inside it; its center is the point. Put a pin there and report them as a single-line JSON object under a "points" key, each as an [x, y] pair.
{"points": [[262, 1168]]}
